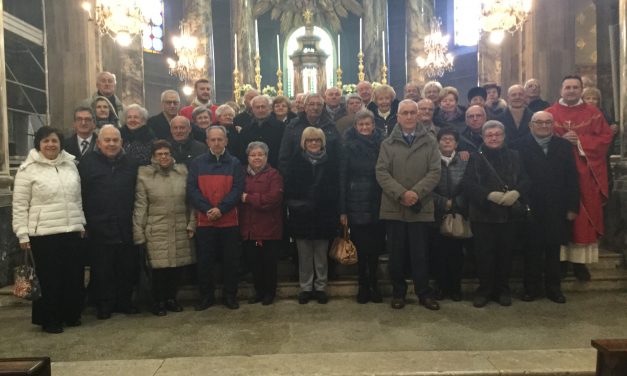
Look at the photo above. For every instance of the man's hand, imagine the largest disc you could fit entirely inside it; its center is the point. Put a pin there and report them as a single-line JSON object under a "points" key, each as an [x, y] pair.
{"points": [[214, 214], [190, 234], [571, 216], [464, 155], [409, 198], [571, 137], [244, 195], [25, 246]]}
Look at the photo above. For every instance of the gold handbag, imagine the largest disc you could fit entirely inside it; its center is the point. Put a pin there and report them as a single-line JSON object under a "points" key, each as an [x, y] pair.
{"points": [[454, 225], [343, 250]]}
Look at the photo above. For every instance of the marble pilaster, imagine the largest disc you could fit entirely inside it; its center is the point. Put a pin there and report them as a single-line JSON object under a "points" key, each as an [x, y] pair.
{"points": [[200, 18], [417, 15], [127, 63], [243, 23], [374, 22]]}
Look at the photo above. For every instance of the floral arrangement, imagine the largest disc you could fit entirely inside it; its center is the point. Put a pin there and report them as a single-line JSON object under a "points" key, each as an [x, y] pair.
{"points": [[349, 88], [244, 88], [269, 90]]}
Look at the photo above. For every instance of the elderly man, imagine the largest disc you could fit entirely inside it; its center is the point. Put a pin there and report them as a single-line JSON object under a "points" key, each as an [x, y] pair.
{"points": [[264, 128], [533, 90], [160, 124], [214, 186], [408, 169], [225, 116], [586, 129], [184, 146], [244, 118], [364, 89], [105, 85], [108, 178], [298, 104], [332, 103], [470, 139], [314, 116], [353, 104], [412, 91], [554, 202], [84, 138], [516, 116], [426, 109], [202, 88]]}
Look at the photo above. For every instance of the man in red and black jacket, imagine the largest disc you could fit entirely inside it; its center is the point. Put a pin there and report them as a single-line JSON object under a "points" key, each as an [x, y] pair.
{"points": [[214, 186]]}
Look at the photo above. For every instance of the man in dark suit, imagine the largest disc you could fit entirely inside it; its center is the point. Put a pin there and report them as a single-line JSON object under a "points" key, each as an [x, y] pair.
{"points": [[84, 139], [160, 123], [554, 202], [516, 116]]}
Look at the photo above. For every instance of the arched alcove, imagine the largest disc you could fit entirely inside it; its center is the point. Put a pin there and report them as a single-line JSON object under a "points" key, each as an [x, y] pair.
{"points": [[326, 44]]}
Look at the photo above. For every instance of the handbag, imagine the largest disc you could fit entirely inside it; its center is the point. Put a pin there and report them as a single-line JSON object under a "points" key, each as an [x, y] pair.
{"points": [[343, 250], [26, 282], [455, 225]]}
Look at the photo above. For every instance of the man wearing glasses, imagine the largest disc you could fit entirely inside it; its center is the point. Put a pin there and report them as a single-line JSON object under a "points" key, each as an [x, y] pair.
{"points": [[160, 123], [83, 140], [554, 202]]}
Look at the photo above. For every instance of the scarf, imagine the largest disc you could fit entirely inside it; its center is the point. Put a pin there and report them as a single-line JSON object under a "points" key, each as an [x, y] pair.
{"points": [[447, 160], [196, 103], [315, 158], [544, 143]]}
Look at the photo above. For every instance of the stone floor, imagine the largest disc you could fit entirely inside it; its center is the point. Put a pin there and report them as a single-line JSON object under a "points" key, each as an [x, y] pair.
{"points": [[341, 338]]}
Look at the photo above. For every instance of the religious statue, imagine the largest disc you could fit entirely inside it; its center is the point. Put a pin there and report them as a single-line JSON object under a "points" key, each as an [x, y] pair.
{"points": [[327, 12]]}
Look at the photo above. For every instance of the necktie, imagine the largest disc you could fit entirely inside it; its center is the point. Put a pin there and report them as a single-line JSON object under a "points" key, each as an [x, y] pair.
{"points": [[84, 145]]}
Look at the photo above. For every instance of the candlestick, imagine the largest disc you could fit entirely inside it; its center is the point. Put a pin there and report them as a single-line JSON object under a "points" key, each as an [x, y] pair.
{"points": [[361, 47], [384, 74], [383, 45], [278, 52], [235, 48], [236, 95], [279, 81], [256, 38], [361, 75], [339, 78], [339, 51], [258, 72]]}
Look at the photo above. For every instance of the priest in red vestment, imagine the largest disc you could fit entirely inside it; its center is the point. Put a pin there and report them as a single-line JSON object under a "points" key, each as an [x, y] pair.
{"points": [[586, 129]]}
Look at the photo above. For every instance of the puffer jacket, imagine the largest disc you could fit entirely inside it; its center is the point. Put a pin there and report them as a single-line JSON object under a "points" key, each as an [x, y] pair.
{"points": [[47, 197], [161, 216], [450, 187]]}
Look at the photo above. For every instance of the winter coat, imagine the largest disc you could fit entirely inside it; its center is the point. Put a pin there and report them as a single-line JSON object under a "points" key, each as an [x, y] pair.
{"points": [[360, 194], [402, 167], [386, 125], [261, 216], [458, 122], [554, 185], [47, 197], [138, 144], [479, 181], [269, 131], [161, 217], [186, 151], [513, 133], [108, 190], [290, 144], [469, 141], [311, 196], [160, 126], [450, 187]]}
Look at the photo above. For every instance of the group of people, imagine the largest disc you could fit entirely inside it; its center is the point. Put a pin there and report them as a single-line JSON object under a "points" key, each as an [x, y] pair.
{"points": [[204, 184]]}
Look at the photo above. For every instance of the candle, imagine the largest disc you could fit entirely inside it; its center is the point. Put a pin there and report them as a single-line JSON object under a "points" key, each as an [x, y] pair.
{"points": [[235, 50], [360, 45], [383, 45], [339, 52], [278, 51], [256, 38]]}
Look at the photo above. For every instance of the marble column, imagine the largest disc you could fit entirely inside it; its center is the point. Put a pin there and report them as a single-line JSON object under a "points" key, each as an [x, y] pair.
{"points": [[200, 18], [417, 16], [374, 21], [243, 24]]}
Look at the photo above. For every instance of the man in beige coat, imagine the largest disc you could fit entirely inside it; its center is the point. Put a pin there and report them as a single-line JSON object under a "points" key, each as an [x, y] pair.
{"points": [[407, 170]]}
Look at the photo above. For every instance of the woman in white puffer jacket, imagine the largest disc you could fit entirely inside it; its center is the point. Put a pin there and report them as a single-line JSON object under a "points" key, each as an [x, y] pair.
{"points": [[48, 218]]}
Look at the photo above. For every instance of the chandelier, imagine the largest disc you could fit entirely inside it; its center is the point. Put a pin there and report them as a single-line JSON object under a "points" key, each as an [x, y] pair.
{"points": [[438, 60], [499, 16], [191, 62], [122, 20]]}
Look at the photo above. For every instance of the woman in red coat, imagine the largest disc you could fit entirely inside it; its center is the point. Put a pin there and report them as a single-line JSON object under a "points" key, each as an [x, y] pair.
{"points": [[261, 221]]}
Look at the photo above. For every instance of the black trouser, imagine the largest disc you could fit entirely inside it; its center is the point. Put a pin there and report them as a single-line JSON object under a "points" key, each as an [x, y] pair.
{"points": [[262, 256], [114, 272], [209, 242], [407, 242], [369, 239], [165, 283], [493, 243], [61, 272], [447, 255], [541, 255]]}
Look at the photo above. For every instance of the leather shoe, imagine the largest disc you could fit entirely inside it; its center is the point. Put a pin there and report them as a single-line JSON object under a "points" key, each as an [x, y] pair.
{"points": [[173, 306], [397, 303], [363, 295], [130, 310], [158, 309], [52, 329], [557, 297], [257, 298], [505, 300], [267, 300], [322, 297], [303, 297], [429, 303], [375, 295], [204, 304], [231, 302], [480, 301], [527, 297], [581, 272]]}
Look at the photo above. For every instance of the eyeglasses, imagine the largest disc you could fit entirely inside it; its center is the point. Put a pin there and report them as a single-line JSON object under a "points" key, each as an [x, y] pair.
{"points": [[545, 123], [408, 113], [425, 109], [171, 102], [319, 140], [165, 154], [83, 120]]}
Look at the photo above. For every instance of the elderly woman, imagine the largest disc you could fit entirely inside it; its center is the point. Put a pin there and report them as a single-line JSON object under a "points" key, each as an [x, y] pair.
{"points": [[447, 254], [385, 116], [235, 146], [360, 198], [281, 110], [449, 113], [432, 91], [164, 224], [136, 135], [261, 221], [311, 194], [201, 120], [48, 219], [105, 113], [495, 183]]}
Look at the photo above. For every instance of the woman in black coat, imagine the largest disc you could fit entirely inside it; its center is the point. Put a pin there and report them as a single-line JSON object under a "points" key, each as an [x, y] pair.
{"points": [[311, 192], [360, 198]]}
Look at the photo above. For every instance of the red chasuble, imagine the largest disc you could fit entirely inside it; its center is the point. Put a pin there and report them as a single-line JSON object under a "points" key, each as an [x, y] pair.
{"points": [[595, 136]]}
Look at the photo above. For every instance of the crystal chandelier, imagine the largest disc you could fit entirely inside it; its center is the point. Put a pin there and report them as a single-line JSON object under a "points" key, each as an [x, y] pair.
{"points": [[499, 16], [191, 62], [122, 20], [438, 60]]}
